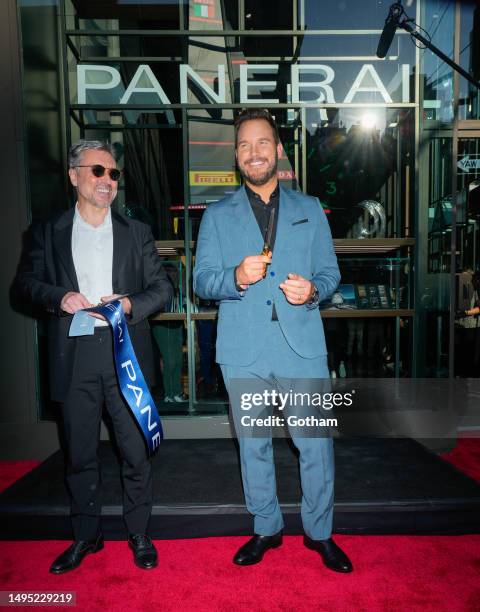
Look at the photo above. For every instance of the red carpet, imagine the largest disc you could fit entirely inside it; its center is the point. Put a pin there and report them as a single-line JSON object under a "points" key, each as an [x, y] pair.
{"points": [[391, 573], [10, 471], [400, 573], [466, 457]]}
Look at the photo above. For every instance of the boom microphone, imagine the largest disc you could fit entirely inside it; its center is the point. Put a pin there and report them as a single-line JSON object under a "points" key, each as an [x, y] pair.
{"points": [[391, 23]]}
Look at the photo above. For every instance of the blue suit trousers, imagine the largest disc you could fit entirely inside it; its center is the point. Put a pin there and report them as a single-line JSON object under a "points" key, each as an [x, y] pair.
{"points": [[278, 360]]}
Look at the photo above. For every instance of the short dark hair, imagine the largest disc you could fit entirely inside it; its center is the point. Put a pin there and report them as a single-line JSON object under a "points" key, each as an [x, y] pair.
{"points": [[249, 114], [78, 148]]}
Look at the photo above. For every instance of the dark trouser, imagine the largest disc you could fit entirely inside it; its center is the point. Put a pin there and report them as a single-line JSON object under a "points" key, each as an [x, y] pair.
{"points": [[206, 333], [94, 383], [169, 338]]}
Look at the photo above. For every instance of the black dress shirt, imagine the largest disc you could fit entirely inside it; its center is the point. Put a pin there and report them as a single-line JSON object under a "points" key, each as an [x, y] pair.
{"points": [[262, 211]]}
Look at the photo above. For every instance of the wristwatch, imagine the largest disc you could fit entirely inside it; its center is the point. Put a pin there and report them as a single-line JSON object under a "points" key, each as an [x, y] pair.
{"points": [[314, 301]]}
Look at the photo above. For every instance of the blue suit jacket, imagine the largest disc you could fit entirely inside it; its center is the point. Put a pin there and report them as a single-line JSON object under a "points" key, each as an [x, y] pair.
{"points": [[303, 245]]}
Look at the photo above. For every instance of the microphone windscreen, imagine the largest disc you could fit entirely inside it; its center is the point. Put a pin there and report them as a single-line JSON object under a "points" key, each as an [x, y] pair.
{"points": [[386, 37]]}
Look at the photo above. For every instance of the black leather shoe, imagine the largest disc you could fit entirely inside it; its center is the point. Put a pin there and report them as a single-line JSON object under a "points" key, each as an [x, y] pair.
{"points": [[74, 555], [144, 552], [333, 556], [252, 552]]}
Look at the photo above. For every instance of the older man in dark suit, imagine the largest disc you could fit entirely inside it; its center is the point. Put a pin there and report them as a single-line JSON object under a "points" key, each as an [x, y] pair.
{"points": [[82, 257]]}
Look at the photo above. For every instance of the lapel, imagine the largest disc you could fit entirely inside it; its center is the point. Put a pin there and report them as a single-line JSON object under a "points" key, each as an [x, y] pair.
{"points": [[121, 248], [62, 244], [242, 217], [286, 216]]}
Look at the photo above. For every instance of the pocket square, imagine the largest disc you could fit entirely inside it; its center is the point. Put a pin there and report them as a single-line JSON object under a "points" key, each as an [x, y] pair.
{"points": [[301, 221]]}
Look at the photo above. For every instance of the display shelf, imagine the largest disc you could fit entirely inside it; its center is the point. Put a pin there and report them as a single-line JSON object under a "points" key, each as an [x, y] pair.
{"points": [[169, 316], [327, 314], [371, 245], [172, 247], [341, 245], [364, 314]]}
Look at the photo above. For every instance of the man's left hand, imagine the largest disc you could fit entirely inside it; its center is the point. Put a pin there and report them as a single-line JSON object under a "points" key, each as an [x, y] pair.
{"points": [[126, 305], [297, 290]]}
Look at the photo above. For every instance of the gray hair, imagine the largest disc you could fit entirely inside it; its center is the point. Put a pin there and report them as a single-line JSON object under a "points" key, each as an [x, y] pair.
{"points": [[76, 150]]}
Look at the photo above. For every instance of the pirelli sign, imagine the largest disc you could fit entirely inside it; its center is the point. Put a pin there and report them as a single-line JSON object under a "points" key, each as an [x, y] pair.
{"points": [[213, 177]]}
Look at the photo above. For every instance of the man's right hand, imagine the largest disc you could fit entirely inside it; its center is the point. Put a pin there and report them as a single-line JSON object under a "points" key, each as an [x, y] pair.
{"points": [[252, 269], [72, 301]]}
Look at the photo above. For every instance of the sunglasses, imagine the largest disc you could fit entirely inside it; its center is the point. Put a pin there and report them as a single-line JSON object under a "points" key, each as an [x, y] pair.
{"points": [[98, 170]]}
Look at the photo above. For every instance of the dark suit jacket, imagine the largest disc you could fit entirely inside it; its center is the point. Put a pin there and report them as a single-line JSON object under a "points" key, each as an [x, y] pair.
{"points": [[47, 272]]}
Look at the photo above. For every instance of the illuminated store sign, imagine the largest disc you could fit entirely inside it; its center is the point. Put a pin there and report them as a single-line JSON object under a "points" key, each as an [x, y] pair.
{"points": [[206, 177], [104, 84]]}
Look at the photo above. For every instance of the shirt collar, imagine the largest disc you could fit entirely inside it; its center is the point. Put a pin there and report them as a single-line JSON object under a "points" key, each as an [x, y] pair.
{"points": [[79, 220], [257, 198]]}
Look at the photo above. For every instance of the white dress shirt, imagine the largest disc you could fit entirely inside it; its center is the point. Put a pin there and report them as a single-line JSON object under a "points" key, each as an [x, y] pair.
{"points": [[92, 251]]}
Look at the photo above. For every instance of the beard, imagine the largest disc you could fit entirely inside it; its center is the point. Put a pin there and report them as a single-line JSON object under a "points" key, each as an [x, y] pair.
{"points": [[100, 203], [259, 179]]}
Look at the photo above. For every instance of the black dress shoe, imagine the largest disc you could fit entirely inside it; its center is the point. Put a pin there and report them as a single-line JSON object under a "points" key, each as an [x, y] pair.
{"points": [[252, 552], [144, 552], [333, 556], [74, 555]]}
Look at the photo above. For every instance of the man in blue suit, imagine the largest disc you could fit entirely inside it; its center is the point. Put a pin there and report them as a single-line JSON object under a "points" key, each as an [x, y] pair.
{"points": [[269, 325]]}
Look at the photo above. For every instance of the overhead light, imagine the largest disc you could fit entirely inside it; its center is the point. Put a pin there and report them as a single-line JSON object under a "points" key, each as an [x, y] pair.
{"points": [[368, 121]]}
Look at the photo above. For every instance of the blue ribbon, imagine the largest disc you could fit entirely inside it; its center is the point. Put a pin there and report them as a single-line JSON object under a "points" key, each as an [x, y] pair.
{"points": [[130, 378]]}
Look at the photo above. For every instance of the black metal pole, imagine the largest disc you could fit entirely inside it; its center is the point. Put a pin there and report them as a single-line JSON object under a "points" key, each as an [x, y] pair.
{"points": [[405, 25]]}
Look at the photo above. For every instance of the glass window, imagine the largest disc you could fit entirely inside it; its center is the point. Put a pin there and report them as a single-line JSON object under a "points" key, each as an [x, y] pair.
{"points": [[367, 347], [360, 164], [467, 268], [348, 14], [212, 14], [437, 76], [167, 102], [470, 59], [260, 16], [124, 14], [43, 109]]}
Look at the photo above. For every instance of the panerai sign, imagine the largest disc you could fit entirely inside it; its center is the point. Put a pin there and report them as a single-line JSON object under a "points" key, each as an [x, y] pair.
{"points": [[313, 83]]}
